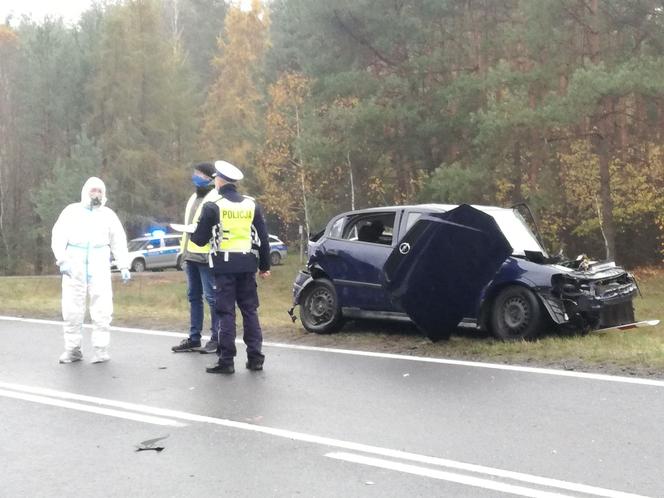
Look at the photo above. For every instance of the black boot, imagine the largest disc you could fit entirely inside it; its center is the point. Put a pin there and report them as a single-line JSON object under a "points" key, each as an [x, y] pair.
{"points": [[255, 364], [221, 368]]}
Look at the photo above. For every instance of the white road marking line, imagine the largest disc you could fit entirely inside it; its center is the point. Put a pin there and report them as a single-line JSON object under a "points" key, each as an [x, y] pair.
{"points": [[474, 481], [138, 417], [445, 476], [164, 333], [325, 441], [441, 361]]}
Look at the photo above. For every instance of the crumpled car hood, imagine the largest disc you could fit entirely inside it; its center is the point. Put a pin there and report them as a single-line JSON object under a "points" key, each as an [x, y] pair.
{"points": [[437, 272]]}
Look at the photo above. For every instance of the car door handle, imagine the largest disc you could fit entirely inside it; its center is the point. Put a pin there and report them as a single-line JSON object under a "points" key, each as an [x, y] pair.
{"points": [[333, 252]]}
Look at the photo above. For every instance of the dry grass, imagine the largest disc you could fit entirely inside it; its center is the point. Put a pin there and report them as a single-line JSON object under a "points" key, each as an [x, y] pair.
{"points": [[158, 301]]}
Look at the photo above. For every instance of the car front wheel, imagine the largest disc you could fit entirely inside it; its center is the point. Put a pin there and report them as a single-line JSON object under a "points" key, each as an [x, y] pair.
{"points": [[275, 259], [516, 314], [138, 265], [319, 308]]}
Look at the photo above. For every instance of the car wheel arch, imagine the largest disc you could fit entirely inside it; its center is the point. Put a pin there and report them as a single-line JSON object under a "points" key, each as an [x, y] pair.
{"points": [[275, 258], [139, 259], [310, 311], [316, 273], [486, 306], [535, 320]]}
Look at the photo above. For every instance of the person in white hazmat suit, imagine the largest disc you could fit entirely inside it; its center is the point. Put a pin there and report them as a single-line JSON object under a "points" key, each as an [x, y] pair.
{"points": [[82, 240]]}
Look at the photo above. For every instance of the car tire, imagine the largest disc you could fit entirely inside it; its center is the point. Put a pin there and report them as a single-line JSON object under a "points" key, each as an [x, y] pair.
{"points": [[275, 258], [138, 265], [516, 314], [319, 308], [178, 264]]}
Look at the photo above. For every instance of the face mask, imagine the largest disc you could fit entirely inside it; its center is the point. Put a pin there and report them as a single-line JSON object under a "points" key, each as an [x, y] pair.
{"points": [[199, 181], [95, 201]]}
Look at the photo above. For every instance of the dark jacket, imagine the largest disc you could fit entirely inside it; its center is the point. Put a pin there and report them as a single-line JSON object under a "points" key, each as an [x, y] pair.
{"points": [[237, 262]]}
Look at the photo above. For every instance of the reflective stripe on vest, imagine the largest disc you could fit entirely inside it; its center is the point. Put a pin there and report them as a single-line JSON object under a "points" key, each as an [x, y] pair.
{"points": [[235, 219]]}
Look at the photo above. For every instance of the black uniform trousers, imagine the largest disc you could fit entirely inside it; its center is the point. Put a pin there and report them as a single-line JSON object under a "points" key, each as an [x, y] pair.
{"points": [[240, 288]]}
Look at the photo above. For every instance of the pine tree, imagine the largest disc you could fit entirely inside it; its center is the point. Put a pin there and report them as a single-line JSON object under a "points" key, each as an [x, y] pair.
{"points": [[282, 173], [143, 113], [232, 119]]}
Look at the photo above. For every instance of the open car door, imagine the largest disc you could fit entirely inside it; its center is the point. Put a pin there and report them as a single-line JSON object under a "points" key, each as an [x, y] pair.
{"points": [[438, 270]]}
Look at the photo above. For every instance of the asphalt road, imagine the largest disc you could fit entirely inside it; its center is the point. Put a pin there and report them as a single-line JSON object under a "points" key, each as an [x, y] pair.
{"points": [[314, 423]]}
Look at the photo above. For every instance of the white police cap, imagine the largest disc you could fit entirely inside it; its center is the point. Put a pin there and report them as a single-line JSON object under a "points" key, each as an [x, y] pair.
{"points": [[227, 171]]}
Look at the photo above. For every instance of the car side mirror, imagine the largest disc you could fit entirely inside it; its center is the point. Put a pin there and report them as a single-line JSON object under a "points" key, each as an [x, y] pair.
{"points": [[149, 246]]}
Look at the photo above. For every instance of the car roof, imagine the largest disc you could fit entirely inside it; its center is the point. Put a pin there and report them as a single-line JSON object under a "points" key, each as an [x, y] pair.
{"points": [[427, 207]]}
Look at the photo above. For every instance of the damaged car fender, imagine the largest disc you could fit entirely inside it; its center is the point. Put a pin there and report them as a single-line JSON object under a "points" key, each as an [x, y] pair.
{"points": [[317, 297], [533, 276]]}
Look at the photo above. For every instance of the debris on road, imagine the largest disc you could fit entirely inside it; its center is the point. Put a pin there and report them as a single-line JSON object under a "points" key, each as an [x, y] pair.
{"points": [[149, 444]]}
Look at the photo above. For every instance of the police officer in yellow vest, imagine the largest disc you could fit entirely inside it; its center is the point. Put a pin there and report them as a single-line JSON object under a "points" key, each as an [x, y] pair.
{"points": [[228, 223], [200, 280]]}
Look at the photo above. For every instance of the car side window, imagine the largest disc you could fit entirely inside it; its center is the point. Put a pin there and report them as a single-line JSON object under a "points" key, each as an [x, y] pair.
{"points": [[172, 242], [336, 231], [411, 219], [375, 228]]}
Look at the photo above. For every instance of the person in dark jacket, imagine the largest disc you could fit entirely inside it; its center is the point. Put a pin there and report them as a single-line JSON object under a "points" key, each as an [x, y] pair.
{"points": [[227, 224], [200, 280]]}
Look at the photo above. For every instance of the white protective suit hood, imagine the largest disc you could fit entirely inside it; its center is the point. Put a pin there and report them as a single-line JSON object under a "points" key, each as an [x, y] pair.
{"points": [[84, 235], [90, 183]]}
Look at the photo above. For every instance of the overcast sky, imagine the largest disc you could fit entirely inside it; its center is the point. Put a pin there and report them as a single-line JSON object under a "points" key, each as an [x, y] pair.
{"points": [[69, 10]]}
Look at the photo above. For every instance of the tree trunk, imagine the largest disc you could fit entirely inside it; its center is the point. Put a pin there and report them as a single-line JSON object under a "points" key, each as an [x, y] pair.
{"points": [[603, 133], [605, 209], [352, 181], [303, 182], [517, 173]]}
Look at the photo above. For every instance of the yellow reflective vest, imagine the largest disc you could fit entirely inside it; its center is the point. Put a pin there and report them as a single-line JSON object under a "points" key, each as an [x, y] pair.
{"points": [[185, 242], [233, 234]]}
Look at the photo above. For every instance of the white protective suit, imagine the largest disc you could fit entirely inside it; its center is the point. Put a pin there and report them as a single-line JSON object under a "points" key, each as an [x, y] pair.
{"points": [[83, 238]]}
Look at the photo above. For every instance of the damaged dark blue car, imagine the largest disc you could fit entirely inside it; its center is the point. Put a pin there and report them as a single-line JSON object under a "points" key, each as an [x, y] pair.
{"points": [[445, 266]]}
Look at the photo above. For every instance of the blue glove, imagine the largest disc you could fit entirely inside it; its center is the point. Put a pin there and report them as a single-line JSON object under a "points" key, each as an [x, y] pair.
{"points": [[126, 276], [65, 268]]}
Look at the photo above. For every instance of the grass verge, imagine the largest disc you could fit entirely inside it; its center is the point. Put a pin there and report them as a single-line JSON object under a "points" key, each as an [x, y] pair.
{"points": [[157, 300]]}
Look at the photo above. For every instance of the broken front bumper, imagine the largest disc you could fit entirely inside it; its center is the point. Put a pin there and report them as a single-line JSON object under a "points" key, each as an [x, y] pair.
{"points": [[591, 303]]}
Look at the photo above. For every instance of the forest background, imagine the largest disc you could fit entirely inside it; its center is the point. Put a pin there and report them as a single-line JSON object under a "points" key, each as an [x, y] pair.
{"points": [[339, 104]]}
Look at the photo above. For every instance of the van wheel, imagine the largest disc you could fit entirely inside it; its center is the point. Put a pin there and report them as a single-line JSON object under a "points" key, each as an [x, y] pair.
{"points": [[275, 259], [319, 308], [516, 314], [138, 265]]}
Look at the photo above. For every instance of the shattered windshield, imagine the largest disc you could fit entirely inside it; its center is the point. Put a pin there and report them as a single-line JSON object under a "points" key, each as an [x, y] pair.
{"points": [[517, 232]]}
